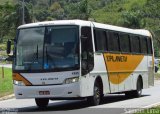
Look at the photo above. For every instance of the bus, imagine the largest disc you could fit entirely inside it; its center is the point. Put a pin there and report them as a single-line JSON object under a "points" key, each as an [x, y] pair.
{"points": [[77, 59]]}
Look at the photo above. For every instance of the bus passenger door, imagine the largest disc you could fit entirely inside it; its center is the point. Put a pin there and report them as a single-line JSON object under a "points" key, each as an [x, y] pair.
{"points": [[87, 61]]}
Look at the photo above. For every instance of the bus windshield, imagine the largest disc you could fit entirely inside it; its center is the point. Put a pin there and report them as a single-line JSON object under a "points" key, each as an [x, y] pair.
{"points": [[47, 48]]}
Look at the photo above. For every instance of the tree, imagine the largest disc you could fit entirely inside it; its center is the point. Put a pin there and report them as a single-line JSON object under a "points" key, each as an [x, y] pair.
{"points": [[57, 11], [83, 10], [10, 19], [132, 19], [7, 19], [78, 10]]}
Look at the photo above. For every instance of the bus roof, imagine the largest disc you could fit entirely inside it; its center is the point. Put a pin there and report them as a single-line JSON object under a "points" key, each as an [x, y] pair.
{"points": [[88, 23]]}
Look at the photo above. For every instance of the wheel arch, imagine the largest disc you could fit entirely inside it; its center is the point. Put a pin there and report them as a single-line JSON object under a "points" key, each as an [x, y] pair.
{"points": [[141, 79], [100, 82]]}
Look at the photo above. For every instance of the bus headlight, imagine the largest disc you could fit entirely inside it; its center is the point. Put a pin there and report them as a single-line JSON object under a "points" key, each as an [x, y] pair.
{"points": [[19, 83], [71, 80]]}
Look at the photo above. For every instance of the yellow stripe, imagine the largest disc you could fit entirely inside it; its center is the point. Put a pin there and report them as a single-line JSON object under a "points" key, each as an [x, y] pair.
{"points": [[18, 77], [120, 66]]}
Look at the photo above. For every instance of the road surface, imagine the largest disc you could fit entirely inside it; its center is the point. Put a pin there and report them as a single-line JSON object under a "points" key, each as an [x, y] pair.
{"points": [[112, 104]]}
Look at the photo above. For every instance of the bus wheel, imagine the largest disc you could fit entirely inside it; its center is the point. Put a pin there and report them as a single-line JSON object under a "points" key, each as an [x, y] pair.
{"points": [[42, 102], [137, 92], [96, 98]]}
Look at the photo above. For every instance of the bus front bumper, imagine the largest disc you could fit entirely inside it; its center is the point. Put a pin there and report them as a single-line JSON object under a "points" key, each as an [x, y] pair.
{"points": [[52, 91]]}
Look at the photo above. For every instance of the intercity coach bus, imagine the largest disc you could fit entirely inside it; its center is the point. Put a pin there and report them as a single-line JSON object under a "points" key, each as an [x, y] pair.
{"points": [[76, 59]]}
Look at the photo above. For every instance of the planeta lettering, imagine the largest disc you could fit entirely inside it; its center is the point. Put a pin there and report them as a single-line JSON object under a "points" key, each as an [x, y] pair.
{"points": [[116, 58]]}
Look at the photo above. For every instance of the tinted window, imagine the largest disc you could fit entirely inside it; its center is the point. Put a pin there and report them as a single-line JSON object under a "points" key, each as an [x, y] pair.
{"points": [[124, 42], [61, 47], [100, 40], [149, 45], [135, 44], [113, 41], [143, 45], [29, 53]]}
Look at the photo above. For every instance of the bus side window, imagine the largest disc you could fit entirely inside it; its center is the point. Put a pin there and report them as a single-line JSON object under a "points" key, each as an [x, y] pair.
{"points": [[113, 41], [135, 43], [87, 50], [144, 49], [149, 43], [100, 40], [124, 43]]}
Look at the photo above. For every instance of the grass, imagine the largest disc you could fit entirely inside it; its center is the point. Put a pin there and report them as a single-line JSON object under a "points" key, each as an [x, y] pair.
{"points": [[154, 110], [6, 85]]}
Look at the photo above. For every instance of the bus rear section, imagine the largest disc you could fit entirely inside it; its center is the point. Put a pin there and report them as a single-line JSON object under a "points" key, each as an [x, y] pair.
{"points": [[128, 57]]}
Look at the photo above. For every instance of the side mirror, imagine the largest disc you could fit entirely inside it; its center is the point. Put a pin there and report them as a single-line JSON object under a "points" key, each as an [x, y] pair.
{"points": [[8, 47]]}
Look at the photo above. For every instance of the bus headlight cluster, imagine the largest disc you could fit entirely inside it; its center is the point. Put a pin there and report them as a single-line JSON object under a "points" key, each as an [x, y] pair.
{"points": [[71, 80], [19, 83]]}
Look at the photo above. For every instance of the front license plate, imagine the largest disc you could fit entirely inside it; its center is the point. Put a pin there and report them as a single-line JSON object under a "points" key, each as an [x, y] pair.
{"points": [[44, 92]]}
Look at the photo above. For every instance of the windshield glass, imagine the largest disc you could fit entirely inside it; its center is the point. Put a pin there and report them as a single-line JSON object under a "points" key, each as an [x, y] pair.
{"points": [[47, 48]]}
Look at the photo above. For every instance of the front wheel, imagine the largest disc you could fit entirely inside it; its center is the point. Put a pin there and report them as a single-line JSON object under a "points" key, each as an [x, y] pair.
{"points": [[96, 98], [42, 102]]}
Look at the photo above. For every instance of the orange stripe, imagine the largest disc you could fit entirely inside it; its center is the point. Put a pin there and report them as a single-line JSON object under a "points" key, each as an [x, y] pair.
{"points": [[120, 66], [18, 77]]}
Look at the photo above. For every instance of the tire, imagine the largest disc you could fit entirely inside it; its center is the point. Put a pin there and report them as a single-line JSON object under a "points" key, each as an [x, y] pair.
{"points": [[42, 102], [97, 96], [136, 93]]}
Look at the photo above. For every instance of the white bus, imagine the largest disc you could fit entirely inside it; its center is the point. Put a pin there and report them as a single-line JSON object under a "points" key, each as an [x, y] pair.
{"points": [[76, 59]]}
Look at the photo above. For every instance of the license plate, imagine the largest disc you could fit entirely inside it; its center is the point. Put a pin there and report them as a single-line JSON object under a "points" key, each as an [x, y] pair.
{"points": [[44, 92]]}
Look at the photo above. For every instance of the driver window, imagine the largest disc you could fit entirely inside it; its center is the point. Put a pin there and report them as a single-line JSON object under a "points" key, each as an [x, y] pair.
{"points": [[87, 50]]}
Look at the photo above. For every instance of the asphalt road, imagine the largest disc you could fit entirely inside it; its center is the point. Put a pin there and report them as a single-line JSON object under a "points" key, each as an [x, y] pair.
{"points": [[112, 104]]}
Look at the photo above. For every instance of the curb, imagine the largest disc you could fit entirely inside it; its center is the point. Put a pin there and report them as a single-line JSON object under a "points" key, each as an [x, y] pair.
{"points": [[7, 97]]}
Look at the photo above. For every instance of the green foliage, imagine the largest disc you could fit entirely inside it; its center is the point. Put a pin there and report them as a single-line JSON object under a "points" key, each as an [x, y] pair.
{"points": [[141, 14], [6, 20], [10, 19], [132, 19], [153, 110], [2, 47]]}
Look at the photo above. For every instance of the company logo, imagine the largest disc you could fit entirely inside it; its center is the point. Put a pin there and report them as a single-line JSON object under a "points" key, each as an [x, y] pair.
{"points": [[116, 58]]}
